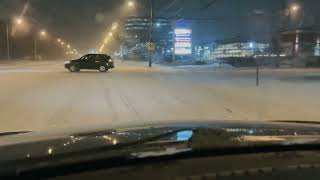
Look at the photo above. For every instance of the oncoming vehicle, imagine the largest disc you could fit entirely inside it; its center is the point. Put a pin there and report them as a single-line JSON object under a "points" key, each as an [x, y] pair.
{"points": [[101, 62]]}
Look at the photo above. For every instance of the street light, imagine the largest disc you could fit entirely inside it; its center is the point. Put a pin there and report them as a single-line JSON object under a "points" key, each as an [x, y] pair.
{"points": [[59, 40], [68, 46], [43, 33], [110, 34], [19, 21], [295, 8], [295, 11], [131, 4]]}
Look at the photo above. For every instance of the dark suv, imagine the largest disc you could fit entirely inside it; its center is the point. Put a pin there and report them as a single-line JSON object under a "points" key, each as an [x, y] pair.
{"points": [[101, 62]]}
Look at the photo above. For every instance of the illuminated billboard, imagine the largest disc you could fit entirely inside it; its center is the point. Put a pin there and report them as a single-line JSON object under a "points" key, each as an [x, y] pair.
{"points": [[183, 41]]}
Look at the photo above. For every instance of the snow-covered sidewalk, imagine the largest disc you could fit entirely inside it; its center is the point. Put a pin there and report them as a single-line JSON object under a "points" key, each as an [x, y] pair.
{"points": [[206, 66]]}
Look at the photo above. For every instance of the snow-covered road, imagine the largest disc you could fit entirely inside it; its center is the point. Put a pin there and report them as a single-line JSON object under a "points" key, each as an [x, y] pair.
{"points": [[45, 96]]}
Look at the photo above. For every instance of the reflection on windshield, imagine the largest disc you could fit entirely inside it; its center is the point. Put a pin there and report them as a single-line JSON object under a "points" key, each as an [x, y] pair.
{"points": [[184, 135]]}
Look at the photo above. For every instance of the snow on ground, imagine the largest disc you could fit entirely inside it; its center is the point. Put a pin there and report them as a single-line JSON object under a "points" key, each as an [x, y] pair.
{"points": [[208, 66], [49, 97]]}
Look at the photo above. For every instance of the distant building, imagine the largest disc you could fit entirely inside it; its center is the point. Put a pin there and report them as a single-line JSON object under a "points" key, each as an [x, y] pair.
{"points": [[137, 29], [137, 34], [203, 52], [300, 43], [239, 49]]}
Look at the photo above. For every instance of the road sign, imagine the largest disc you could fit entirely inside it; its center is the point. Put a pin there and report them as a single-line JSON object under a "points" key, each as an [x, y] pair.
{"points": [[151, 46], [183, 41]]}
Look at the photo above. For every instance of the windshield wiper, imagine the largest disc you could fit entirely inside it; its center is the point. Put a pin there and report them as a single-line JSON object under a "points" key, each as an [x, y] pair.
{"points": [[13, 133]]}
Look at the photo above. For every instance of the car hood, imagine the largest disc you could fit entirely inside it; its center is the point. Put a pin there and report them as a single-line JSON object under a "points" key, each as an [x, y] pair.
{"points": [[21, 146]]}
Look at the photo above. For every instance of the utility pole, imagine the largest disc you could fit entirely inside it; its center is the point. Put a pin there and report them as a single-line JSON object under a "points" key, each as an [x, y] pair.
{"points": [[151, 32], [8, 42], [173, 46]]}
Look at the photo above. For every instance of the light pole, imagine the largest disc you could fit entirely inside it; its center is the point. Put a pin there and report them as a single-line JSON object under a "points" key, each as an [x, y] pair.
{"points": [[8, 41], [294, 11], [42, 33], [151, 32], [35, 47], [257, 71], [131, 4], [253, 48], [257, 65], [18, 22]]}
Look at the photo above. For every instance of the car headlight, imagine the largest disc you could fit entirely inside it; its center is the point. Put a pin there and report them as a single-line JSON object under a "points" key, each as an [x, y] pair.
{"points": [[110, 60], [67, 62]]}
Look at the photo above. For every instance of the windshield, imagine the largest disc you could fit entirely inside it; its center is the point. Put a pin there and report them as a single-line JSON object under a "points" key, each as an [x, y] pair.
{"points": [[83, 58], [176, 61]]}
